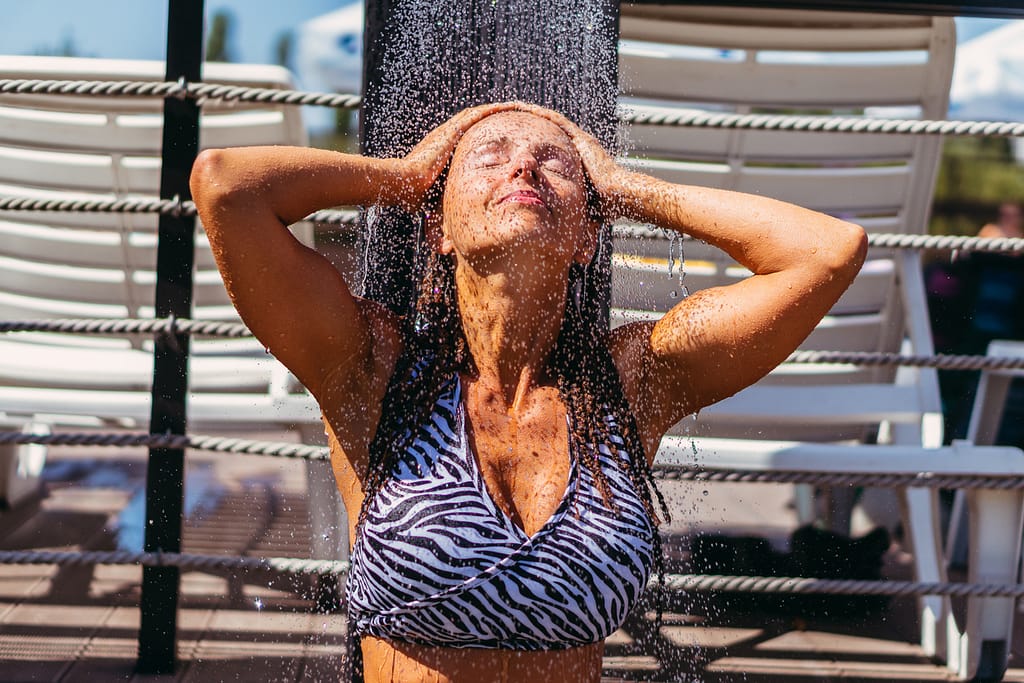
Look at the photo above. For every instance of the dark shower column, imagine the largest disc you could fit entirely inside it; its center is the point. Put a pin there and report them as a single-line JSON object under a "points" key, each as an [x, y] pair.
{"points": [[424, 60]]}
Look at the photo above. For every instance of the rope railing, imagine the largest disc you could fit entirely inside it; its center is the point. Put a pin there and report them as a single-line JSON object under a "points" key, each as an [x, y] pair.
{"points": [[699, 118], [137, 205], [217, 444], [662, 471], [185, 561], [1008, 482], [120, 326], [350, 217], [632, 114], [148, 205], [1009, 245], [880, 240], [180, 89], [212, 328], [940, 361], [699, 583]]}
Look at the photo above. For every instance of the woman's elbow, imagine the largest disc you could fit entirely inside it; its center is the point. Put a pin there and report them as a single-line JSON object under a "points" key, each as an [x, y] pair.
{"points": [[848, 247], [212, 180]]}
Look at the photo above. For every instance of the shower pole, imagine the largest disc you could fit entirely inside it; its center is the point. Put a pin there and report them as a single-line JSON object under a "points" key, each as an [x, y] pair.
{"points": [[424, 61], [165, 468]]}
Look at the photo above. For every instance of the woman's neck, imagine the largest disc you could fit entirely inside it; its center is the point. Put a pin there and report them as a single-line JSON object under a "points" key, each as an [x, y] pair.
{"points": [[511, 322]]}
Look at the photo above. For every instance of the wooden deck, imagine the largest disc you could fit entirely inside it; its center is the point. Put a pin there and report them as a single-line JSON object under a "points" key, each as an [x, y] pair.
{"points": [[81, 623]]}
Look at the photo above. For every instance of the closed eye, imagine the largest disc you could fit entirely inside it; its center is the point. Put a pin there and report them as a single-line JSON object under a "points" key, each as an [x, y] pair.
{"points": [[557, 161], [558, 166], [491, 159], [489, 154]]}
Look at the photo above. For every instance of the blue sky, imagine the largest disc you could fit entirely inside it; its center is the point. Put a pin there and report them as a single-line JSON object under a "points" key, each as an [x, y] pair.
{"points": [[136, 29]]}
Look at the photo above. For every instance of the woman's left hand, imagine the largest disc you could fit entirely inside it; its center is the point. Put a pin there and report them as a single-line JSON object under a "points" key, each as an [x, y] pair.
{"points": [[610, 180]]}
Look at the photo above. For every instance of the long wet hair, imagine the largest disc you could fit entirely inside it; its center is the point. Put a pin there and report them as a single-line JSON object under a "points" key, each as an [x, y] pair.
{"points": [[434, 349]]}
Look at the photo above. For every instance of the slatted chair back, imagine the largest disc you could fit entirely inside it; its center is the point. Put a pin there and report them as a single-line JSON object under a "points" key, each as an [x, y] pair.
{"points": [[102, 265], [785, 62]]}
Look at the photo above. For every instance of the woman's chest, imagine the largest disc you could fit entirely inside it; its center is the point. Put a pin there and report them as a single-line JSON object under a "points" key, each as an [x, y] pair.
{"points": [[522, 456]]}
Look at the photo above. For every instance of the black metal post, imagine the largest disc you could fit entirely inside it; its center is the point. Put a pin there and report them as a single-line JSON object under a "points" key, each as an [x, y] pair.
{"points": [[425, 61], [175, 253]]}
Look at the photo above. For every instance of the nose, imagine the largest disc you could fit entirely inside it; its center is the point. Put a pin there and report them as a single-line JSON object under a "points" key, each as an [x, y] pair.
{"points": [[524, 165]]}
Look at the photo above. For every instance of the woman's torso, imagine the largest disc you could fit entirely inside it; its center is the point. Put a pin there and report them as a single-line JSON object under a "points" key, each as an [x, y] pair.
{"points": [[467, 553]]}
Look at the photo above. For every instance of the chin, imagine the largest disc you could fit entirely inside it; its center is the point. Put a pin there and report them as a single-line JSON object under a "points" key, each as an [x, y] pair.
{"points": [[524, 241], [529, 231]]}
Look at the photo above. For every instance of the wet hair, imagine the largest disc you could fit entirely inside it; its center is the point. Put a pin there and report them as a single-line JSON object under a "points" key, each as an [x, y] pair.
{"points": [[587, 379]]}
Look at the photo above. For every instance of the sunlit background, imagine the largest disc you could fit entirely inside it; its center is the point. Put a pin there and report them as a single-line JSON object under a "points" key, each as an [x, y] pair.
{"points": [[321, 42]]}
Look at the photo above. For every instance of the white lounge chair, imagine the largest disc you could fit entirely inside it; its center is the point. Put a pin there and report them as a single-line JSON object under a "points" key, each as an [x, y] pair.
{"points": [[996, 521], [91, 265], [744, 60]]}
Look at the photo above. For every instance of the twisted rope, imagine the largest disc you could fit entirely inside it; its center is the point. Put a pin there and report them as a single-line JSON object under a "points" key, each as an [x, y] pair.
{"points": [[178, 207], [1007, 482], [218, 444], [213, 328], [180, 89], [761, 584], [1008, 245], [167, 207], [698, 118], [941, 361], [186, 561], [668, 472], [673, 582], [164, 207], [209, 328], [334, 217], [638, 114]]}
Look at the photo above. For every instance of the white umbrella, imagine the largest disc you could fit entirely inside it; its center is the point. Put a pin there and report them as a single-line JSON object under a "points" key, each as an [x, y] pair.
{"points": [[329, 57]]}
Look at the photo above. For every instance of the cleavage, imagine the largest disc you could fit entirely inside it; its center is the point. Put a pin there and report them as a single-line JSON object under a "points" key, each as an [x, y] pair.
{"points": [[523, 458]]}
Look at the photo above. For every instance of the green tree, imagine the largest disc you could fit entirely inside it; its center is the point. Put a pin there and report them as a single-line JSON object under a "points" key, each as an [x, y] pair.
{"points": [[218, 47], [975, 176]]}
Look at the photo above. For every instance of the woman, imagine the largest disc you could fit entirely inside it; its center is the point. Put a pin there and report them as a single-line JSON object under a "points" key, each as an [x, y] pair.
{"points": [[493, 448]]}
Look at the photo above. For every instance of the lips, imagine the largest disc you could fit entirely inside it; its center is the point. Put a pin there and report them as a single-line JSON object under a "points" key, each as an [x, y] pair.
{"points": [[529, 197]]}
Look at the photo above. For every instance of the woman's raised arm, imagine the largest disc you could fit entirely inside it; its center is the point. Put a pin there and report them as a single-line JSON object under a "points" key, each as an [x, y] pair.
{"points": [[291, 297], [720, 340]]}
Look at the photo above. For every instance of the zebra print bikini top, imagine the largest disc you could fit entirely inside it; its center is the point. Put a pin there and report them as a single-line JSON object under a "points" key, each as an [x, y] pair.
{"points": [[438, 563]]}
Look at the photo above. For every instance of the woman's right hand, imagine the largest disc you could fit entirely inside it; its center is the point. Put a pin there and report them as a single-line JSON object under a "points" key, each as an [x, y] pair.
{"points": [[420, 168]]}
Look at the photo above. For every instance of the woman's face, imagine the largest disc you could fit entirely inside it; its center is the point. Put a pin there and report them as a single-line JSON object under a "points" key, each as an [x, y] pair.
{"points": [[516, 189]]}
